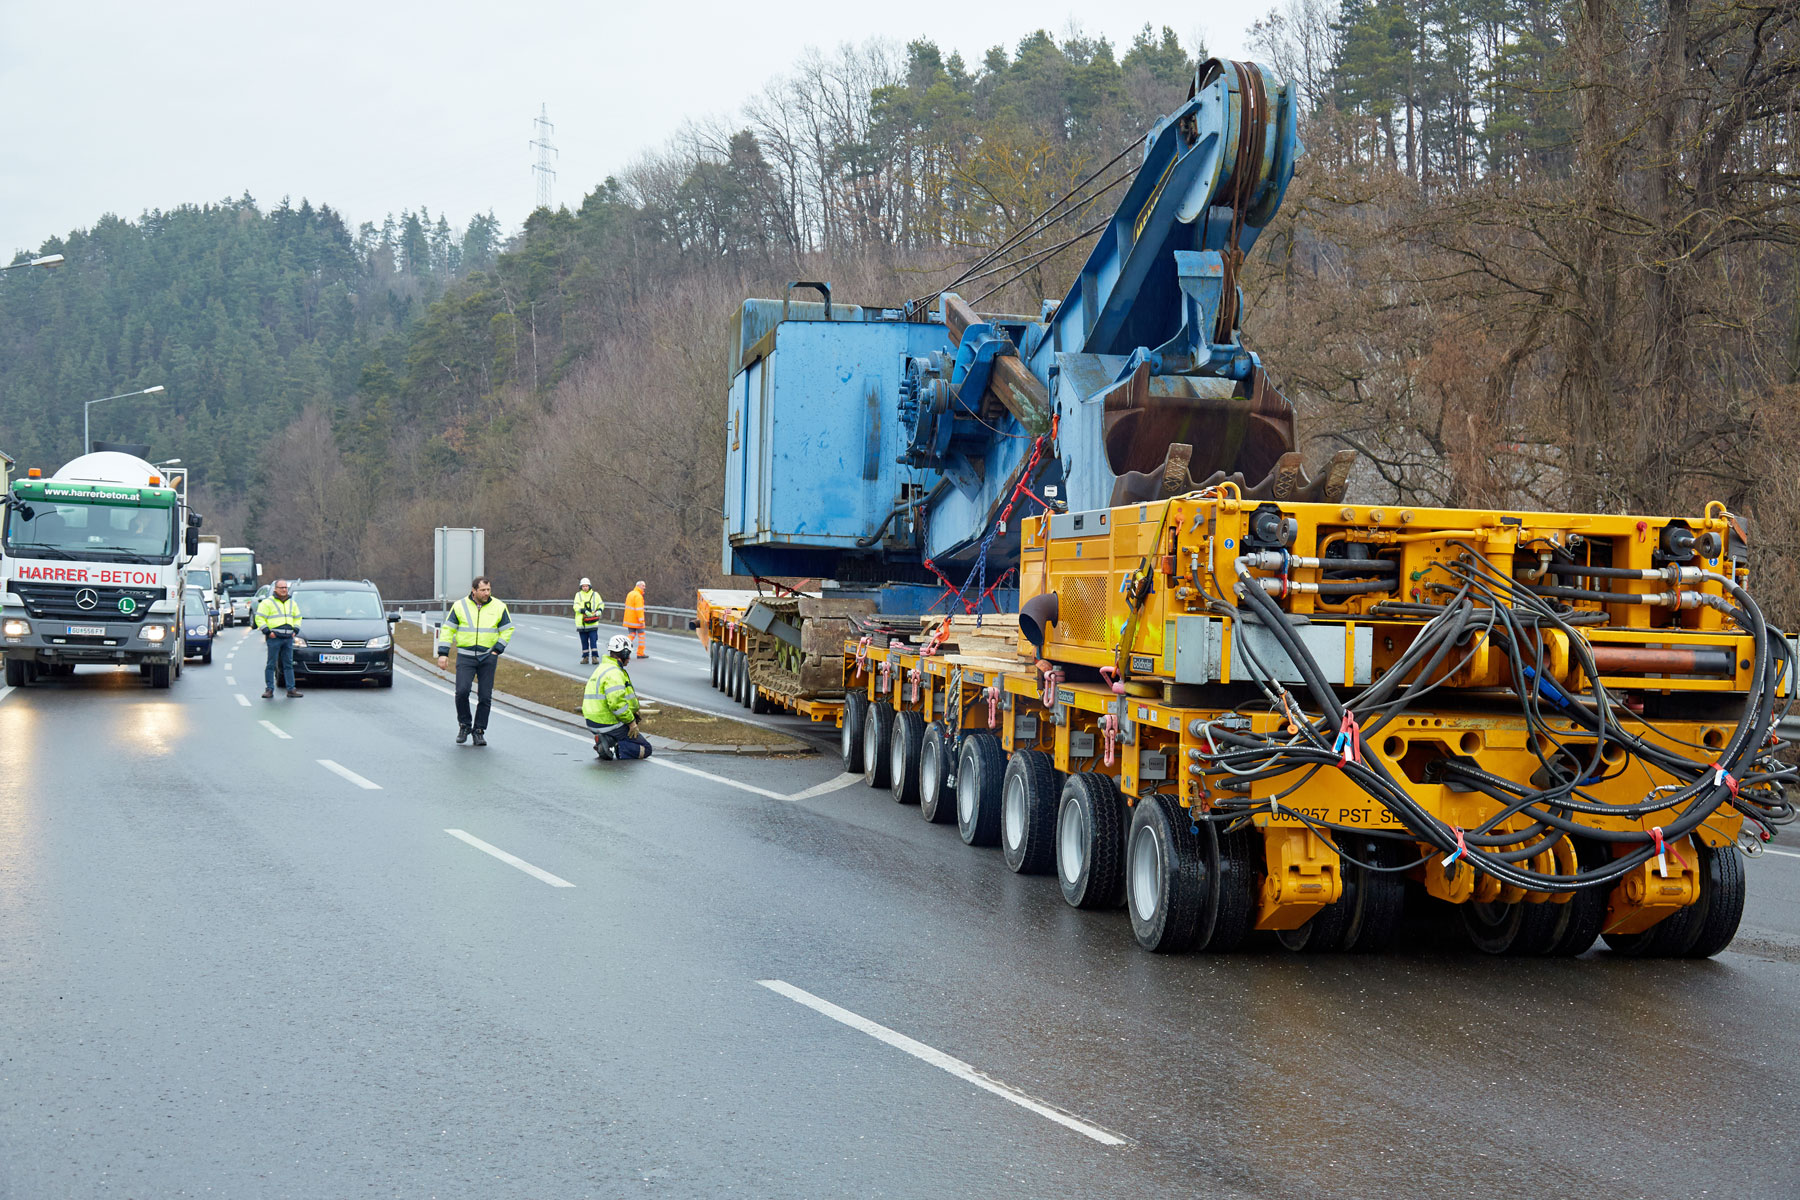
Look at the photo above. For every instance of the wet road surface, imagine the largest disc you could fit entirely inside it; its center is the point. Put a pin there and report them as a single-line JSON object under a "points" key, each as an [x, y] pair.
{"points": [[312, 948]]}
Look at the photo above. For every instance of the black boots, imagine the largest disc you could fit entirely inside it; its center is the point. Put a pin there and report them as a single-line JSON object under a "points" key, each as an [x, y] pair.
{"points": [[479, 739], [462, 734]]}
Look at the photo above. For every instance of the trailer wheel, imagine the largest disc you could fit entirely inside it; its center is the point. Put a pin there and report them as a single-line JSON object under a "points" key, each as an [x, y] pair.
{"points": [[1090, 841], [906, 744], [878, 729], [740, 676], [937, 802], [979, 769], [1380, 902], [759, 701], [1235, 860], [1521, 928], [15, 672], [1028, 798], [1166, 881], [1722, 892], [712, 656], [728, 672], [850, 737]]}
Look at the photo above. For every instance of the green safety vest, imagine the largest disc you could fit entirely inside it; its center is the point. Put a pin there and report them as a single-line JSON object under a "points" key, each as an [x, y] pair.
{"points": [[588, 607], [475, 627], [610, 698], [278, 614]]}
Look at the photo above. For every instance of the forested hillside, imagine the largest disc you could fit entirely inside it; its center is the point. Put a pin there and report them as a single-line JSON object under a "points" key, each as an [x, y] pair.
{"points": [[1537, 254]]}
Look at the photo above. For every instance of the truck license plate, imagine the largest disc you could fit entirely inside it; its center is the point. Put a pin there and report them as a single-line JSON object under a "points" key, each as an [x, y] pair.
{"points": [[87, 631], [337, 658]]}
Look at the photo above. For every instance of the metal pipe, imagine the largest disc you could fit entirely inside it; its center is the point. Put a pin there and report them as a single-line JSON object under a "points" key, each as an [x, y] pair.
{"points": [[1647, 660]]}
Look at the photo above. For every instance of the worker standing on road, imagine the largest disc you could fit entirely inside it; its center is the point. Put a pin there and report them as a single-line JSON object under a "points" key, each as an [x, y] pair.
{"points": [[610, 705], [588, 609], [634, 619], [278, 616], [479, 626]]}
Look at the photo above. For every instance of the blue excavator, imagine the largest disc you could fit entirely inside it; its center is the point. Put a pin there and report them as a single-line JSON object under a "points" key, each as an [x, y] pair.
{"points": [[891, 450]]}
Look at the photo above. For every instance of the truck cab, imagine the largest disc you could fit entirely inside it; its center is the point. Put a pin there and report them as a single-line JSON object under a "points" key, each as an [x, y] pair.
{"points": [[92, 570]]}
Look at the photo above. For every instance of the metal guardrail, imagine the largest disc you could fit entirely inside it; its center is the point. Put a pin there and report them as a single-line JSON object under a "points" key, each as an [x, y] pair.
{"points": [[656, 616]]}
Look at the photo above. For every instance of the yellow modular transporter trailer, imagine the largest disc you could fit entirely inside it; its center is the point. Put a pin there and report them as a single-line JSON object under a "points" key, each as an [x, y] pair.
{"points": [[1236, 715]]}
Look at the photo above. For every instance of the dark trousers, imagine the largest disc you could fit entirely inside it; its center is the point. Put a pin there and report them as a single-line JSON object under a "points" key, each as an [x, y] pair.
{"points": [[590, 639], [615, 741], [469, 672], [281, 654]]}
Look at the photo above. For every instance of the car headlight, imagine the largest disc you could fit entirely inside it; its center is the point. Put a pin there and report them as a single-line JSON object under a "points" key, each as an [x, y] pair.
{"points": [[197, 632], [299, 641], [380, 643], [155, 633], [15, 629]]}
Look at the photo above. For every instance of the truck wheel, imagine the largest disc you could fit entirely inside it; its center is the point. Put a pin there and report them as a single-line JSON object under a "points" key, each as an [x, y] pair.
{"points": [[1090, 841], [850, 737], [1721, 904], [937, 799], [159, 676], [1379, 901], [904, 746], [1166, 883], [759, 702], [712, 658], [15, 672], [878, 729], [1236, 861], [1521, 928], [1029, 792], [740, 675], [979, 770]]}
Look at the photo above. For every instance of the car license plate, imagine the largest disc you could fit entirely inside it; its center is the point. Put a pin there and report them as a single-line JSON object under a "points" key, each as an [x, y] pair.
{"points": [[337, 658], [87, 631]]}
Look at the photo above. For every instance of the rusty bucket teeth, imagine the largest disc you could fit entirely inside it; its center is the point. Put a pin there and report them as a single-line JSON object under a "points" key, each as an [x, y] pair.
{"points": [[1337, 476]]}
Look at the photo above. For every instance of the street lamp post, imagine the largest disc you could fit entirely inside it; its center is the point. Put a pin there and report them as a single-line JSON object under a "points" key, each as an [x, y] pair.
{"points": [[86, 441], [43, 260]]}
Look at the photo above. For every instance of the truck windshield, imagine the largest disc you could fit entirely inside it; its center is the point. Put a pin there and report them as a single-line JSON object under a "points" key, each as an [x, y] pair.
{"points": [[94, 532], [323, 603], [199, 579], [237, 573]]}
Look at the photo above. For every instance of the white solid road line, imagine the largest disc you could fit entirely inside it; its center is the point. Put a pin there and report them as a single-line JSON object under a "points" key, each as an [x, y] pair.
{"points": [[270, 726], [844, 780], [510, 860], [347, 773], [243, 700], [945, 1062]]}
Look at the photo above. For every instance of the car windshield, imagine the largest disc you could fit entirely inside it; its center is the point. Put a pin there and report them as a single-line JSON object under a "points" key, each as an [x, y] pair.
{"points": [[91, 531], [195, 609], [348, 603]]}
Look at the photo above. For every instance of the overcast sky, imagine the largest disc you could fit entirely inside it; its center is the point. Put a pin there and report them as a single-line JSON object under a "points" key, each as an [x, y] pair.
{"points": [[379, 105]]}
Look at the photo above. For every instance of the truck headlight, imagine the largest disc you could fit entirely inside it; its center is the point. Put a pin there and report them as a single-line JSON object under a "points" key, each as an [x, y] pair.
{"points": [[14, 628], [380, 643], [155, 633]]}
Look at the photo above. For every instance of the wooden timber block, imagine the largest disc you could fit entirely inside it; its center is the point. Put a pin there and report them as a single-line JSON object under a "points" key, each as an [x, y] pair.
{"points": [[815, 607]]}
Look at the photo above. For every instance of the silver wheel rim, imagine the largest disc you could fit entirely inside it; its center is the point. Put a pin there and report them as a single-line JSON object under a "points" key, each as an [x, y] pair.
{"points": [[844, 738], [1012, 812], [897, 760], [1071, 841], [930, 776], [965, 795], [1146, 873], [871, 740]]}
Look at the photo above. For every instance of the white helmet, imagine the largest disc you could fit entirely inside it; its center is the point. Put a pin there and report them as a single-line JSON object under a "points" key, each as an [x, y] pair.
{"points": [[617, 643], [585, 582]]}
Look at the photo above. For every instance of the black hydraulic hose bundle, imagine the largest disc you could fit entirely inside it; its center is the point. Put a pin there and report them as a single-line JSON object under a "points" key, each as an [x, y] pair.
{"points": [[1484, 603]]}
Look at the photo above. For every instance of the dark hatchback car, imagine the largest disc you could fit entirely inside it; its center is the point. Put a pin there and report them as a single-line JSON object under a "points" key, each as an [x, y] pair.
{"points": [[344, 634]]}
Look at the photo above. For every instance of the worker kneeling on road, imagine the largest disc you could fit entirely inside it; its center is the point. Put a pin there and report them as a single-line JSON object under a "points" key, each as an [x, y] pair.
{"points": [[611, 705]]}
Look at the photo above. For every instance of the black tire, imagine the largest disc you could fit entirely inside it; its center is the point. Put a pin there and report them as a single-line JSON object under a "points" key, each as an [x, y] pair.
{"points": [[1579, 924], [979, 770], [1721, 906], [904, 747], [159, 676], [746, 689], [739, 669], [1090, 841], [1328, 930], [937, 796], [1029, 793], [712, 657], [386, 681], [1166, 883], [206, 658], [1380, 900], [1236, 859], [878, 728], [850, 737], [759, 701], [15, 672], [1520, 929]]}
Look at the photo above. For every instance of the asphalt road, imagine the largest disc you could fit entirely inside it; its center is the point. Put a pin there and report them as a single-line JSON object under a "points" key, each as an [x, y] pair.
{"points": [[229, 968]]}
